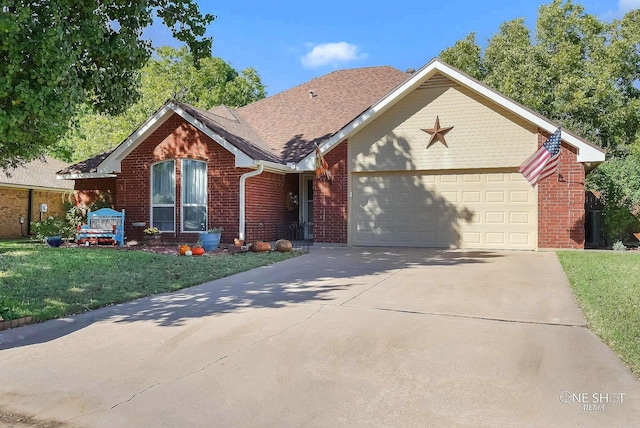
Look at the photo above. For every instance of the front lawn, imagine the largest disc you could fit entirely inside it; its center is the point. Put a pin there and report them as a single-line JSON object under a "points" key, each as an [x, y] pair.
{"points": [[50, 283], [607, 286]]}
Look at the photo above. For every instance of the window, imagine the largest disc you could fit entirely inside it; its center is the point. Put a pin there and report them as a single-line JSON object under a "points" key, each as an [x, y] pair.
{"points": [[163, 196], [194, 195]]}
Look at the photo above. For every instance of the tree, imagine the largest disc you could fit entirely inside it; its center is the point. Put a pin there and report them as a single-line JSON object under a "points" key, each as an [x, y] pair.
{"points": [[579, 71], [58, 54], [582, 73], [170, 73], [466, 55]]}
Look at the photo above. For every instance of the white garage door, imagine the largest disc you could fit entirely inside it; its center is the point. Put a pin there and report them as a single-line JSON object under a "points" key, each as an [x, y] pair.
{"points": [[483, 210]]}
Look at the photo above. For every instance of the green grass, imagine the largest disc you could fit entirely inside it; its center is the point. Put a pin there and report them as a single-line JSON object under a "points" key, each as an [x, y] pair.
{"points": [[607, 286], [50, 283]]}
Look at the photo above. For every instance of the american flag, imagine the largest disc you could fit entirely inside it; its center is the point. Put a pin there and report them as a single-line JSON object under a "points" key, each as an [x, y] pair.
{"points": [[322, 168], [545, 161]]}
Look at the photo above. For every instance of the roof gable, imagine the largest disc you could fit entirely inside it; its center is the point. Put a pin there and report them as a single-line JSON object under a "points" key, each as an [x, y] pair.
{"points": [[586, 152]]}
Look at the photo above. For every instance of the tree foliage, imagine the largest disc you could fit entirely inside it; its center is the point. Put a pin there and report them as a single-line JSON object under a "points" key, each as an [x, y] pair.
{"points": [[170, 73], [617, 182], [578, 70], [57, 54], [466, 55], [583, 73]]}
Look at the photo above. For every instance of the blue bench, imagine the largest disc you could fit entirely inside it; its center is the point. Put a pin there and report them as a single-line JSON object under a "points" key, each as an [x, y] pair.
{"points": [[104, 226]]}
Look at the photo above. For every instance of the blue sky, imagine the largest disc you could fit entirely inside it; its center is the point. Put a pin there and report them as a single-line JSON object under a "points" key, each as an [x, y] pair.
{"points": [[290, 42]]}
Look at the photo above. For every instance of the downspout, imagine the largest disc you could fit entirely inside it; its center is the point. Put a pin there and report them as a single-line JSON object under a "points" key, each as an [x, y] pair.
{"points": [[243, 178], [29, 209]]}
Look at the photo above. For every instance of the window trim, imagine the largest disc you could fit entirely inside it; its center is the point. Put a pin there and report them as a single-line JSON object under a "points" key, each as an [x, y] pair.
{"points": [[182, 193], [152, 205]]}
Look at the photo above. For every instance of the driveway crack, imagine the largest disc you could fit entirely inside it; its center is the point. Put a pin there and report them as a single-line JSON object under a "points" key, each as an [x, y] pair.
{"points": [[477, 317]]}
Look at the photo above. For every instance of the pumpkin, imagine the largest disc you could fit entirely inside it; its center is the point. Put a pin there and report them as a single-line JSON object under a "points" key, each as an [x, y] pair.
{"points": [[197, 251], [260, 247], [182, 249], [283, 245], [188, 253]]}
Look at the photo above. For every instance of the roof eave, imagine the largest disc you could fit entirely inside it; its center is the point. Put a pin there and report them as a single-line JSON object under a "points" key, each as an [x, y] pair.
{"points": [[112, 164], [78, 176], [35, 187]]}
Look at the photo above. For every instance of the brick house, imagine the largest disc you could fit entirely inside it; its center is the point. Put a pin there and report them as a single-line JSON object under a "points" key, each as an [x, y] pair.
{"points": [[394, 181], [27, 192]]}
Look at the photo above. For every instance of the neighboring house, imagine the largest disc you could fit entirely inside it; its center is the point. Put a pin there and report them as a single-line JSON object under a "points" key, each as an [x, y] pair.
{"points": [[393, 182], [32, 193]]}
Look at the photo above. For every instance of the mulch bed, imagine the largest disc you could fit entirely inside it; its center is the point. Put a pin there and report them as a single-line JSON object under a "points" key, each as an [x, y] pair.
{"points": [[168, 249]]}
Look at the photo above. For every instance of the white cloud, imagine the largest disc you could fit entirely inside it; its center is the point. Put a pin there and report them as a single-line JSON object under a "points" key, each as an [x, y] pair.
{"points": [[331, 53], [627, 5]]}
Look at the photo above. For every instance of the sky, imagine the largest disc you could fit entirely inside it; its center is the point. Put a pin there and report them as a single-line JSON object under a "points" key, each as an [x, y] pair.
{"points": [[291, 42]]}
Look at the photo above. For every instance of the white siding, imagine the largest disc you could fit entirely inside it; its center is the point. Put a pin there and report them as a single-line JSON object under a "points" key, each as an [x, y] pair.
{"points": [[484, 135]]}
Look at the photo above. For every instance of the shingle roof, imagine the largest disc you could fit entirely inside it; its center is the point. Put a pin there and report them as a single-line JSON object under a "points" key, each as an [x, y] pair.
{"points": [[293, 121], [87, 165], [37, 174], [285, 127], [224, 122]]}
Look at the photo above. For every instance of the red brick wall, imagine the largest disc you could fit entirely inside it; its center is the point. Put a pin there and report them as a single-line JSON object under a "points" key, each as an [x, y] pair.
{"points": [[177, 139], [330, 199], [561, 203], [91, 190]]}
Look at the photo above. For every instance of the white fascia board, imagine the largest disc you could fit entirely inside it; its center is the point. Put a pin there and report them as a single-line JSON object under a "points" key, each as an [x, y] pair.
{"points": [[113, 162], [274, 167], [85, 175]]}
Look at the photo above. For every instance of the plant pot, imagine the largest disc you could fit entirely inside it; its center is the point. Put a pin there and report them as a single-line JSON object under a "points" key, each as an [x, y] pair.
{"points": [[53, 241], [210, 241], [152, 240]]}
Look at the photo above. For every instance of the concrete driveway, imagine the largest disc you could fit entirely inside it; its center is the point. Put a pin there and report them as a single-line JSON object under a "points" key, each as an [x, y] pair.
{"points": [[337, 337]]}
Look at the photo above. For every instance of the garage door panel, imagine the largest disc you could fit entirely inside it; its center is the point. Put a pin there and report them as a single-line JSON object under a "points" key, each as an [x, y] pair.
{"points": [[471, 197], [522, 239], [495, 196], [495, 217], [520, 217], [451, 196], [520, 197], [478, 210]]}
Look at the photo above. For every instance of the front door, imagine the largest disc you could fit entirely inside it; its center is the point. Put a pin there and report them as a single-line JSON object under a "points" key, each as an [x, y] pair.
{"points": [[306, 212]]}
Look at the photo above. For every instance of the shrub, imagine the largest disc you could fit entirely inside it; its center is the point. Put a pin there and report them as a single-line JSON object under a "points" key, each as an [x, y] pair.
{"points": [[618, 182], [52, 227], [619, 246]]}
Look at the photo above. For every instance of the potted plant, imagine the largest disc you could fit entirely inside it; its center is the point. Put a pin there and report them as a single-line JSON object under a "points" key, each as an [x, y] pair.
{"points": [[152, 235], [211, 238]]}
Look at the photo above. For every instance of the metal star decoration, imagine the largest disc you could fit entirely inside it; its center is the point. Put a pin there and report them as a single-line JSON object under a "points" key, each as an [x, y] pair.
{"points": [[437, 133]]}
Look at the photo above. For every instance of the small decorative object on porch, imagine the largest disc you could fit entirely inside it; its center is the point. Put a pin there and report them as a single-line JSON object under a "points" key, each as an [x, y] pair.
{"points": [[152, 236], [182, 249], [292, 201], [211, 238], [283, 245], [197, 251], [260, 247], [238, 242]]}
